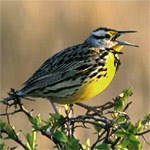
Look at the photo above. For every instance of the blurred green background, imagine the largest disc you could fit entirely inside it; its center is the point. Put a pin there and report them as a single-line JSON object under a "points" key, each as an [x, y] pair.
{"points": [[32, 31]]}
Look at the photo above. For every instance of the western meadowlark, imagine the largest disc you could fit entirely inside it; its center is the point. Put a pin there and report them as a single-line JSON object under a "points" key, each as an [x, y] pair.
{"points": [[79, 72]]}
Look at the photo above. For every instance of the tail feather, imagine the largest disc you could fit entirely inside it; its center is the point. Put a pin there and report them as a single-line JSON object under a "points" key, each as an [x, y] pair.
{"points": [[12, 96]]}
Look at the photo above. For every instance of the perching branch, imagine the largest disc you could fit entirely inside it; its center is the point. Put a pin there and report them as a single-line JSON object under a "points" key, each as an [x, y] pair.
{"points": [[110, 121]]}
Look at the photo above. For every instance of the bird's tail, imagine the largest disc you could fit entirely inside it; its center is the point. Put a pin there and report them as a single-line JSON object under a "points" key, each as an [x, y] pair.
{"points": [[12, 95], [15, 96]]}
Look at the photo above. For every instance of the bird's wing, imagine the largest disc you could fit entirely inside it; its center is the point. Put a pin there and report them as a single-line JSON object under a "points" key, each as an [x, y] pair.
{"points": [[67, 61]]}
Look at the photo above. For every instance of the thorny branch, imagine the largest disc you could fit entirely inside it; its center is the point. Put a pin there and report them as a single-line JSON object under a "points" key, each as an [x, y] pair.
{"points": [[97, 116]]}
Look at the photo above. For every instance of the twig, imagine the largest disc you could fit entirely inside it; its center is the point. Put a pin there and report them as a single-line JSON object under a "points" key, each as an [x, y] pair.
{"points": [[126, 107], [98, 138], [16, 139], [95, 116], [115, 142], [145, 140], [8, 120], [11, 113], [88, 121], [99, 108], [142, 133], [43, 132], [89, 108]]}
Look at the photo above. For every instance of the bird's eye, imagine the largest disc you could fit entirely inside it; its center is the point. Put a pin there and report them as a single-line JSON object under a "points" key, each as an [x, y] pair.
{"points": [[107, 36]]}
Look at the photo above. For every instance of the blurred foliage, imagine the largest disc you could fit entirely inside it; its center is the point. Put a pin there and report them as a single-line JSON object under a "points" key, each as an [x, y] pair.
{"points": [[113, 127]]}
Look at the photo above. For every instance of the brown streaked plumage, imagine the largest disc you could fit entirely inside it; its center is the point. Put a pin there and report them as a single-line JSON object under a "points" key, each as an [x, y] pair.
{"points": [[79, 72]]}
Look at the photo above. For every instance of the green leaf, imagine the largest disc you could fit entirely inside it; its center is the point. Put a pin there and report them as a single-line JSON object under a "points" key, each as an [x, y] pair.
{"points": [[2, 125], [98, 128], [146, 120], [120, 119], [67, 107], [125, 143], [103, 146], [60, 136], [123, 99], [3, 146], [119, 146], [121, 133], [131, 128], [72, 144], [55, 121], [56, 116], [87, 144], [135, 146], [133, 139], [139, 126], [36, 122], [127, 92], [31, 140], [120, 104], [9, 130]]}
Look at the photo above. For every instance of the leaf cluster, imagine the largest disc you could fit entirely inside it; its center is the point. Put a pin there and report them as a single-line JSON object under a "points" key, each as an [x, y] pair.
{"points": [[113, 128]]}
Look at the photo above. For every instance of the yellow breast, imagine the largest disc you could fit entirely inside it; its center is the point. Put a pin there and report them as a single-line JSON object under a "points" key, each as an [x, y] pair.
{"points": [[94, 85]]}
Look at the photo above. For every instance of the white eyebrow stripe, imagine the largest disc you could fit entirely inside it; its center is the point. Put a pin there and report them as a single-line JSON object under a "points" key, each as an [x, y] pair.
{"points": [[99, 33]]}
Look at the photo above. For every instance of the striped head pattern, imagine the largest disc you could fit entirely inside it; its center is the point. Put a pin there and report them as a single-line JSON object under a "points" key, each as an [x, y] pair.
{"points": [[106, 38]]}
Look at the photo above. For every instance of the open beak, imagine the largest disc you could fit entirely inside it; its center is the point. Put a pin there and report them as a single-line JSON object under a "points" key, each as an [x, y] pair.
{"points": [[124, 42]]}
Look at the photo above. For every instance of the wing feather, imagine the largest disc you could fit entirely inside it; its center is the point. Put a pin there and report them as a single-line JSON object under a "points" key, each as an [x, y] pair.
{"points": [[62, 66]]}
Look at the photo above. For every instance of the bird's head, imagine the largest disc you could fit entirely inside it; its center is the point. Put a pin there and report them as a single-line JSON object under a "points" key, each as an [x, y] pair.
{"points": [[107, 38]]}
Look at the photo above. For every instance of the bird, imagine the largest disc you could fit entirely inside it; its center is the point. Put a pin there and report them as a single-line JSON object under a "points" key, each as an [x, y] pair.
{"points": [[79, 72]]}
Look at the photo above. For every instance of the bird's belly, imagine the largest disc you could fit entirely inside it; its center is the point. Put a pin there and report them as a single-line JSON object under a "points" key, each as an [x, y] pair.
{"points": [[93, 86]]}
